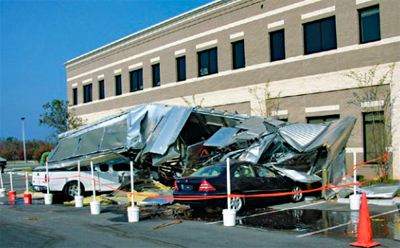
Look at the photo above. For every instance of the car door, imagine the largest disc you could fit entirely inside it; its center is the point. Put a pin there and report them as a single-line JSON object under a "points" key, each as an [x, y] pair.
{"points": [[245, 180], [271, 181]]}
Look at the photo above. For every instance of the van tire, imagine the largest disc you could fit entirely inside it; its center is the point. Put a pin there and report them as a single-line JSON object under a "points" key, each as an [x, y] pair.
{"points": [[71, 190]]}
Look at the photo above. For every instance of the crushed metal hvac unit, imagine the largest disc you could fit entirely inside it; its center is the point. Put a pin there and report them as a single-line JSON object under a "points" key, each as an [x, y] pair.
{"points": [[171, 141]]}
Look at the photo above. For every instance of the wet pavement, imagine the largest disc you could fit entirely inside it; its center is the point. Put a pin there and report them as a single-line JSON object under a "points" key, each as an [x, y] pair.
{"points": [[303, 219]]}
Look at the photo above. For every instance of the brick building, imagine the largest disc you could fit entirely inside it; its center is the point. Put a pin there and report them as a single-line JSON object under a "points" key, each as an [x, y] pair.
{"points": [[227, 53]]}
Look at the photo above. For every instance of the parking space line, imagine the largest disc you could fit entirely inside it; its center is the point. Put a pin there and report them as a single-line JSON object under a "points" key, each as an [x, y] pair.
{"points": [[345, 224], [276, 211]]}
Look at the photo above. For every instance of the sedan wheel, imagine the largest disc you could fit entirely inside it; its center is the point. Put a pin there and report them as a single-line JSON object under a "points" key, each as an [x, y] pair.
{"points": [[297, 197], [237, 203]]}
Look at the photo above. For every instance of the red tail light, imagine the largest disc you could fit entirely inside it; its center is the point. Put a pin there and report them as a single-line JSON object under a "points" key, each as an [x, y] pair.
{"points": [[176, 186], [205, 186], [45, 178]]}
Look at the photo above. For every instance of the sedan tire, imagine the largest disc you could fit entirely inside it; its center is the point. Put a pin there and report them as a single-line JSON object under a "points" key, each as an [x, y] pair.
{"points": [[298, 196], [237, 203]]}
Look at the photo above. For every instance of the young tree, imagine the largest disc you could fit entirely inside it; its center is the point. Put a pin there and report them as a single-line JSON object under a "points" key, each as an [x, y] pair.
{"points": [[57, 117], [267, 105], [193, 103], [377, 103]]}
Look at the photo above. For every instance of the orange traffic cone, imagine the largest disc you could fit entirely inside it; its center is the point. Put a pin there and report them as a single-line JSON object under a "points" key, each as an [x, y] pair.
{"points": [[364, 237]]}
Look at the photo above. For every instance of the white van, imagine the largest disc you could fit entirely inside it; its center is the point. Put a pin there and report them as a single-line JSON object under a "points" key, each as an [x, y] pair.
{"points": [[108, 176]]}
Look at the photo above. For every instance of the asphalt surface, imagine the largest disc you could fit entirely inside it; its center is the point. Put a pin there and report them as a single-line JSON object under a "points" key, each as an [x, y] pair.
{"points": [[58, 225]]}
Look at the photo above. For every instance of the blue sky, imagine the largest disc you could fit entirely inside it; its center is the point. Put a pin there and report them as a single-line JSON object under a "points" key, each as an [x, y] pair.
{"points": [[38, 37]]}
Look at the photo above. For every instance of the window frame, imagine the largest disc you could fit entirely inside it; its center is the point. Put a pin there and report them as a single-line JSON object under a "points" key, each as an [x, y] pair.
{"points": [[237, 57], [361, 33], [155, 71], [272, 45], [138, 76], [87, 93], [118, 85], [365, 140], [209, 52], [101, 89], [321, 39], [180, 69], [75, 96]]}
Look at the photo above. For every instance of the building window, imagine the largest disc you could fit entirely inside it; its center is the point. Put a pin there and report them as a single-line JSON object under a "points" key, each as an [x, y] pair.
{"points": [[156, 75], [208, 62], [374, 133], [118, 85], [322, 119], [75, 96], [238, 54], [101, 89], [320, 35], [136, 80], [181, 68], [87, 93], [277, 45], [370, 25]]}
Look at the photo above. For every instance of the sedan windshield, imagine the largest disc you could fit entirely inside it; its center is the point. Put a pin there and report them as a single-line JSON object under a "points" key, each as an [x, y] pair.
{"points": [[208, 171]]}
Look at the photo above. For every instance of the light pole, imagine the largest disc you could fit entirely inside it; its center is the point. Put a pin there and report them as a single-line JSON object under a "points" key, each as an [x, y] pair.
{"points": [[23, 137]]}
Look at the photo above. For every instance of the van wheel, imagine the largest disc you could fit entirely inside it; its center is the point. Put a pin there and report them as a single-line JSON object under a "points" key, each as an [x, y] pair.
{"points": [[71, 190]]}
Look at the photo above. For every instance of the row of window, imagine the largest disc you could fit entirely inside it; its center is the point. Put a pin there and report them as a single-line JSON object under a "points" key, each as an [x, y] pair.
{"points": [[319, 36]]}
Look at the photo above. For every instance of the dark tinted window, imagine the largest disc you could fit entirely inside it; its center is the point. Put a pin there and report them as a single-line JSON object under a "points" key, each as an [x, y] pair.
{"points": [[370, 26], [277, 45], [320, 35], [87, 93], [75, 96], [121, 167], [238, 55], [156, 75], [101, 89], [118, 86], [103, 167], [208, 62], [322, 119], [374, 133], [181, 68], [136, 80]]}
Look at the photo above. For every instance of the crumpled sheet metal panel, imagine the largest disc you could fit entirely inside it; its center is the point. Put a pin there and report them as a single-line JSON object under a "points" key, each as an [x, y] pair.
{"points": [[299, 176], [135, 139], [256, 150], [222, 138], [299, 135], [64, 149], [90, 142], [167, 129], [253, 125], [335, 137]]}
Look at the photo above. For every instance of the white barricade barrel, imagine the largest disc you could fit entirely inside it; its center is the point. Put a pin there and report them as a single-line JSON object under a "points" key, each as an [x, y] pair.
{"points": [[48, 199], [355, 201], [78, 201], [133, 214], [95, 207], [229, 216], [2, 192]]}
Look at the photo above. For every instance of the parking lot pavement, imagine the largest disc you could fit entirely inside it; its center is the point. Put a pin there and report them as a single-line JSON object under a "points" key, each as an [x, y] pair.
{"points": [[58, 225]]}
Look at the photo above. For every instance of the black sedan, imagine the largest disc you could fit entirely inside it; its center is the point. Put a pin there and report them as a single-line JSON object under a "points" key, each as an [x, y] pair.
{"points": [[208, 185]]}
